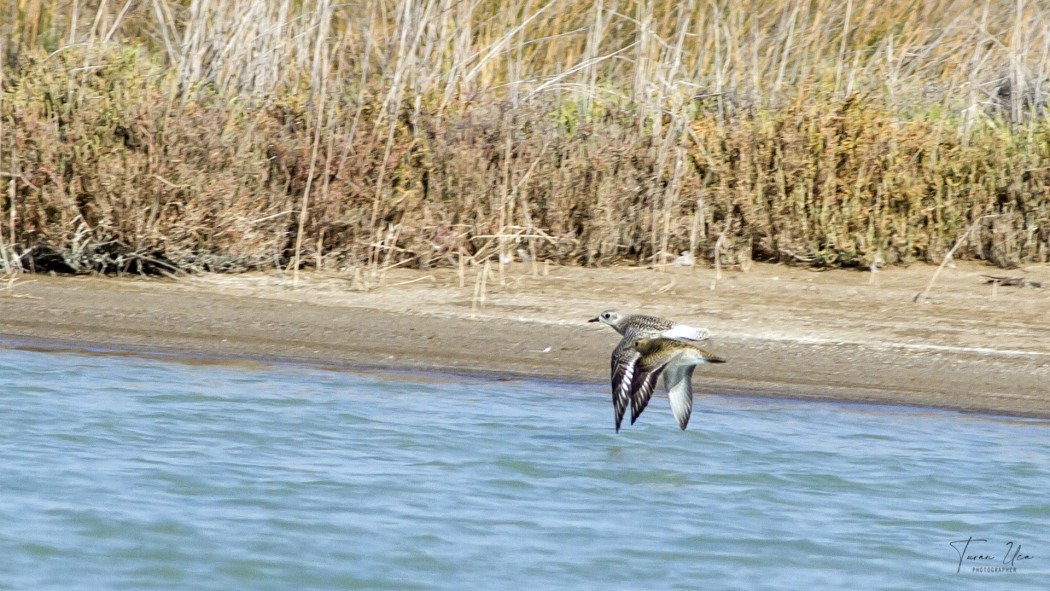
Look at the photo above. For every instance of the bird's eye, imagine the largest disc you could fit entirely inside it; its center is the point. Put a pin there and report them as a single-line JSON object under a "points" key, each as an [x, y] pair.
{"points": [[606, 315]]}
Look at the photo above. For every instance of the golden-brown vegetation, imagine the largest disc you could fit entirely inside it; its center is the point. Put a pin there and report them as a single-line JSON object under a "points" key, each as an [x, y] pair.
{"points": [[146, 136]]}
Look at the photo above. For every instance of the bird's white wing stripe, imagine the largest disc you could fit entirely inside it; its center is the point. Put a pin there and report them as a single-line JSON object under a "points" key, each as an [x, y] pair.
{"points": [[624, 358], [681, 331]]}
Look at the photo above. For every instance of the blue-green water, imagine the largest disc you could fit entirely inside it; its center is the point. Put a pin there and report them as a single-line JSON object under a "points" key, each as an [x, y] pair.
{"points": [[126, 473]]}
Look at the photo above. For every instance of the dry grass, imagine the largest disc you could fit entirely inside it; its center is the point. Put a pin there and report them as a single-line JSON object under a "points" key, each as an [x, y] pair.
{"points": [[168, 135]]}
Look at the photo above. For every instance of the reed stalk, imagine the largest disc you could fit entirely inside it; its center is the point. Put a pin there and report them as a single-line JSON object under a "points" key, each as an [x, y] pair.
{"points": [[182, 134]]}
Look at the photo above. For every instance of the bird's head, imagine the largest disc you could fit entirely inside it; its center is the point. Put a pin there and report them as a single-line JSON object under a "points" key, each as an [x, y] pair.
{"points": [[608, 317]]}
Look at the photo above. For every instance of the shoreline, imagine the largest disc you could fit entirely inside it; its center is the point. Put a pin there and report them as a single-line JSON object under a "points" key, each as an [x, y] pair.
{"points": [[787, 332]]}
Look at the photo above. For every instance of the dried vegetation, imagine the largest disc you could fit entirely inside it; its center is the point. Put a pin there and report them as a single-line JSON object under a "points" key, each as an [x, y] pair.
{"points": [[181, 135]]}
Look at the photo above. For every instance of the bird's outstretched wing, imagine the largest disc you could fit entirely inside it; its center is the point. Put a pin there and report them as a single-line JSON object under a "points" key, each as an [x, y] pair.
{"points": [[646, 372], [678, 378], [624, 359]]}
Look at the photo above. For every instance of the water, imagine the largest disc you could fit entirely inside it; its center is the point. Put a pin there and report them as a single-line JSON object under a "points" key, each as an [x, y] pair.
{"points": [[126, 473]]}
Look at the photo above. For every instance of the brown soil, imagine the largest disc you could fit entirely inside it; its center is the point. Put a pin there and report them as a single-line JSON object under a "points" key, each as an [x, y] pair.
{"points": [[785, 331]]}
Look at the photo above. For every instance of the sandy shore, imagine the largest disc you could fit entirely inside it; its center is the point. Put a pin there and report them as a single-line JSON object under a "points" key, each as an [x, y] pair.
{"points": [[786, 332]]}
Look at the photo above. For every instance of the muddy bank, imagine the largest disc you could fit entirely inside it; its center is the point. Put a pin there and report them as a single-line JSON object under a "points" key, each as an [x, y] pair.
{"points": [[786, 332]]}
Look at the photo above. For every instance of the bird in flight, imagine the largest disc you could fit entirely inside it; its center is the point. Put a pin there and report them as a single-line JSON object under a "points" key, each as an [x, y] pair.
{"points": [[674, 359], [625, 356]]}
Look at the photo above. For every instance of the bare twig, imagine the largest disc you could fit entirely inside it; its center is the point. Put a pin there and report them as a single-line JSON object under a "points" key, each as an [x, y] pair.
{"points": [[924, 294]]}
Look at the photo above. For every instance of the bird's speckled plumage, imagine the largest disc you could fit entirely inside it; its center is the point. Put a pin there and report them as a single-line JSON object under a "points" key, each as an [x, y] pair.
{"points": [[675, 360], [625, 357], [642, 325]]}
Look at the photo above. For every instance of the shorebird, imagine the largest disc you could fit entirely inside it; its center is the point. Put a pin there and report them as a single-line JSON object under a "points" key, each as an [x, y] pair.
{"points": [[675, 359], [669, 329], [625, 357]]}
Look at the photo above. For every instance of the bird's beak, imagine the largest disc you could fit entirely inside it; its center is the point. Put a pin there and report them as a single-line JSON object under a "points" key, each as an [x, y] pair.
{"points": [[593, 320]]}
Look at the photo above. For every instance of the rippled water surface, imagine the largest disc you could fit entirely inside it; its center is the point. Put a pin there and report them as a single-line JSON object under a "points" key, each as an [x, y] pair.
{"points": [[126, 473]]}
